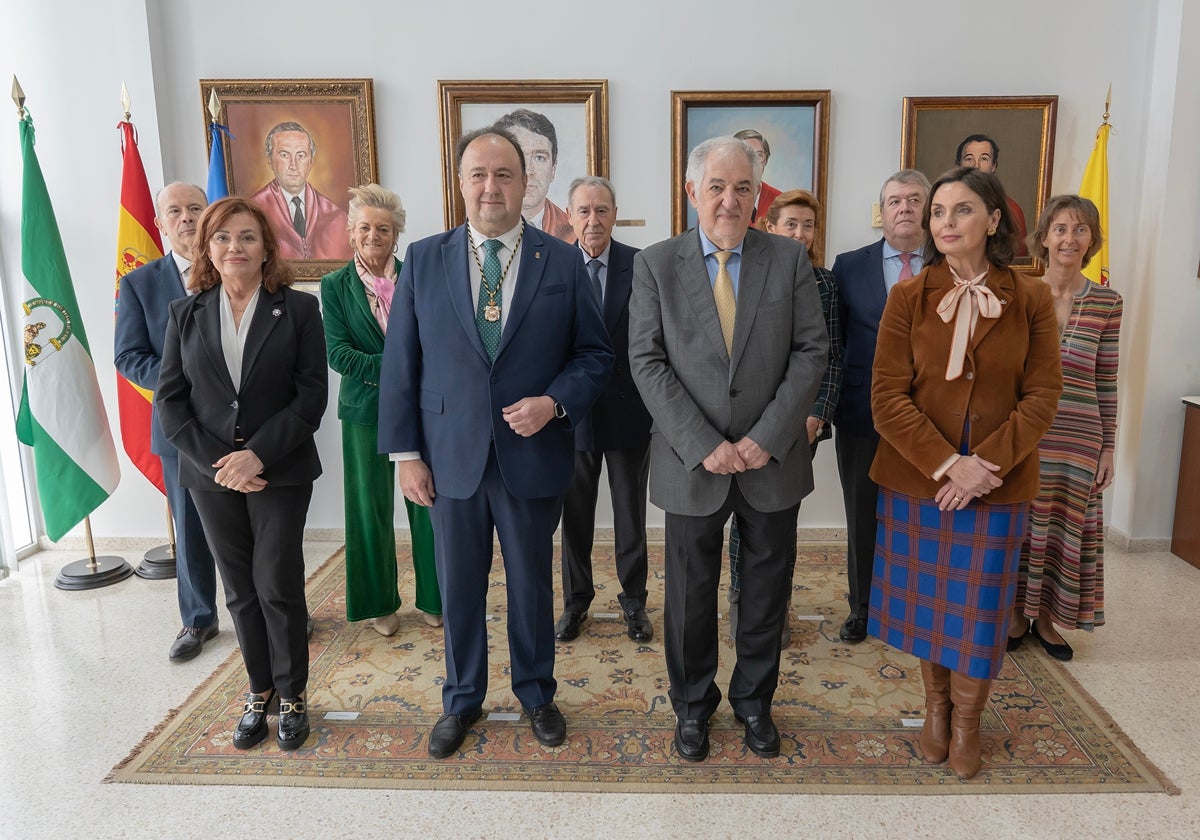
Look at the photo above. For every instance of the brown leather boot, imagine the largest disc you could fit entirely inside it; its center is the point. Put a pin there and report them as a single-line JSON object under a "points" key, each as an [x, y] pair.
{"points": [[935, 734], [968, 696]]}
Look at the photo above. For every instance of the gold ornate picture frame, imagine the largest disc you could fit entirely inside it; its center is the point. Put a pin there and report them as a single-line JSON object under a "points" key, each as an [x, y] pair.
{"points": [[573, 111], [795, 123], [1022, 127], [339, 117]]}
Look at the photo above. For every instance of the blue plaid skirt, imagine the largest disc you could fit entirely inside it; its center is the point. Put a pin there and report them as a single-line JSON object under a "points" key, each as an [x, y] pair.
{"points": [[944, 582]]}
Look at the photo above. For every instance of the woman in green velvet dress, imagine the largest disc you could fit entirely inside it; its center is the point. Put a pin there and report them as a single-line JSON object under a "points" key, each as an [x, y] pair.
{"points": [[356, 300]]}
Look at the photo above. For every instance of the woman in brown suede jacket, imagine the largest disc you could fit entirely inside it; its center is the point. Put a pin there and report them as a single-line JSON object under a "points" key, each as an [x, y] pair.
{"points": [[966, 381]]}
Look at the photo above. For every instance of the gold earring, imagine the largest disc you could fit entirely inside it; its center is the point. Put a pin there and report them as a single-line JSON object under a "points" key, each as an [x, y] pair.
{"points": [[991, 231]]}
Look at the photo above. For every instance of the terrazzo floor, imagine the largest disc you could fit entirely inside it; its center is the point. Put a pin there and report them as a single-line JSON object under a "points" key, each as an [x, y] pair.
{"points": [[84, 676]]}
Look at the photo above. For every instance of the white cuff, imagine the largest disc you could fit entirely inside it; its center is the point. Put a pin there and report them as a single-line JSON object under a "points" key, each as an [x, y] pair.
{"points": [[947, 464]]}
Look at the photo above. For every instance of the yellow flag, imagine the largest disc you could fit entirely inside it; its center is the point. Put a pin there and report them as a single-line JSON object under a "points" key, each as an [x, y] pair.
{"points": [[1095, 187]]}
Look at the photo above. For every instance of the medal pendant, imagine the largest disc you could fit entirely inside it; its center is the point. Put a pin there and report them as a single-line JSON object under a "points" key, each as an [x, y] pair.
{"points": [[491, 312]]}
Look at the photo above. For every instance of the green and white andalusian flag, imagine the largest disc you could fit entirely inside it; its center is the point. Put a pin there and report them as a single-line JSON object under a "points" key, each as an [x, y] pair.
{"points": [[62, 413]]}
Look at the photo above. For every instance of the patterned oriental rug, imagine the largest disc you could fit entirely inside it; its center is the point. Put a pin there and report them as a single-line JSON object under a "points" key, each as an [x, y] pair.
{"points": [[848, 715]]}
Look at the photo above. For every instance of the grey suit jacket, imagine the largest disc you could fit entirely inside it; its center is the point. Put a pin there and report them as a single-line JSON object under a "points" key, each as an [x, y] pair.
{"points": [[699, 396]]}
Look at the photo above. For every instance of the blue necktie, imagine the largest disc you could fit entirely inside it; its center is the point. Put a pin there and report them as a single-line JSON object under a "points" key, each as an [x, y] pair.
{"points": [[593, 268], [489, 331]]}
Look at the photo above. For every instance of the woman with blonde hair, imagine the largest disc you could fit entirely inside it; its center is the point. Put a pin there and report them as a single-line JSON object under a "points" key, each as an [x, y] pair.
{"points": [[356, 300]]}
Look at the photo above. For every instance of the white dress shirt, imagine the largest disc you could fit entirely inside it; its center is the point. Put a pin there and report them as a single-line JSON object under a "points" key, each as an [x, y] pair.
{"points": [[233, 335]]}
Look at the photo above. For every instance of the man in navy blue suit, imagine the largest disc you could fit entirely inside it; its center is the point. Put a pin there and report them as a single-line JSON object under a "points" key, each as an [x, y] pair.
{"points": [[865, 277], [495, 347], [142, 305], [615, 432]]}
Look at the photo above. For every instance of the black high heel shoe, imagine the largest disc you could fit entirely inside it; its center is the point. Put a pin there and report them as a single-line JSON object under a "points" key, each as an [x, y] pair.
{"points": [[252, 728], [293, 723]]}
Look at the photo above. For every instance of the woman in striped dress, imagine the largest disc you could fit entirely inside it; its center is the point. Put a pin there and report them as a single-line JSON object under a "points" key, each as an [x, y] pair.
{"points": [[966, 381], [1062, 561]]}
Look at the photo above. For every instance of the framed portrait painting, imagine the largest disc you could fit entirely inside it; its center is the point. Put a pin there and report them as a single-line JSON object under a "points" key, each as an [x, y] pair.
{"points": [[562, 127], [1010, 135], [295, 146], [789, 128]]}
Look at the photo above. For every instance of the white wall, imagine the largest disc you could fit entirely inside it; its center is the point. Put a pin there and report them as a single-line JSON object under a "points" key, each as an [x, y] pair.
{"points": [[869, 54]]}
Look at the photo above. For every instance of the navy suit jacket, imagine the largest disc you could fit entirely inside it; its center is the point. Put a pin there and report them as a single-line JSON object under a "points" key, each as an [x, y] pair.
{"points": [[442, 397], [860, 280], [142, 305], [277, 406], [619, 419]]}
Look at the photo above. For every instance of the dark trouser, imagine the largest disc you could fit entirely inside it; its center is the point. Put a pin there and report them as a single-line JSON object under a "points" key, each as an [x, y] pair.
{"points": [[258, 540], [860, 495], [693, 573], [735, 548], [628, 470], [195, 570], [462, 535]]}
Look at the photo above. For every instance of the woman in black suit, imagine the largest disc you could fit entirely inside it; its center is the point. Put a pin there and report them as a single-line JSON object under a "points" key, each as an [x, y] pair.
{"points": [[242, 390]]}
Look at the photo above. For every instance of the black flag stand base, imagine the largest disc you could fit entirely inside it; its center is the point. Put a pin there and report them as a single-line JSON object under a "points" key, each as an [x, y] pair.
{"points": [[159, 562], [92, 572]]}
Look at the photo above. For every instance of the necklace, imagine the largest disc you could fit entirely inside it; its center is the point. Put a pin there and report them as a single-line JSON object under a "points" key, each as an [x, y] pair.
{"points": [[491, 311], [1064, 336]]}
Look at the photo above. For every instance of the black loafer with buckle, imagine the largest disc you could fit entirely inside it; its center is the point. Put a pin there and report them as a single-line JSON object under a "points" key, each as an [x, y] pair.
{"points": [[252, 728], [293, 723]]}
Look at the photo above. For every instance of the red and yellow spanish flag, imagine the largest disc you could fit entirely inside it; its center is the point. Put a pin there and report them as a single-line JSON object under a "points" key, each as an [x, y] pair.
{"points": [[138, 243], [1095, 187]]}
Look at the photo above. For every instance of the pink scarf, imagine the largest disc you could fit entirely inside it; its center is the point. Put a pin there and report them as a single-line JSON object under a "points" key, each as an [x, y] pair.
{"points": [[381, 287], [968, 300]]}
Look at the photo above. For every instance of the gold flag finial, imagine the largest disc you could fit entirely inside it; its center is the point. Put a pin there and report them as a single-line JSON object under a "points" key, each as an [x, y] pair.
{"points": [[214, 106], [18, 96], [1107, 102], [125, 102]]}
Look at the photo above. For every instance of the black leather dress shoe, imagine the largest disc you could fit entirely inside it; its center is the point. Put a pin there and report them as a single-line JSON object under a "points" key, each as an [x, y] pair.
{"points": [[854, 630], [637, 625], [293, 723], [568, 625], [548, 724], [448, 733], [190, 642], [1063, 652], [761, 735], [1014, 642], [252, 728], [691, 739]]}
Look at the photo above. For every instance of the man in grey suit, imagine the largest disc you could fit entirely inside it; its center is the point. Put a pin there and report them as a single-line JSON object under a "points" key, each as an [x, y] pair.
{"points": [[727, 345]]}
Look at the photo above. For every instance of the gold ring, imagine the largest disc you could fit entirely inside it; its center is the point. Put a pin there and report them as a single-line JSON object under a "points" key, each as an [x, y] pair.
{"points": [[958, 498]]}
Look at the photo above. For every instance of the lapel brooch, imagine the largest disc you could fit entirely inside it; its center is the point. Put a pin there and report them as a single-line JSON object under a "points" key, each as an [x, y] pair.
{"points": [[276, 312], [537, 255]]}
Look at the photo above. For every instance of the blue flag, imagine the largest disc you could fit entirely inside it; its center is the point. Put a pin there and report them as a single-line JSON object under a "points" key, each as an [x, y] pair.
{"points": [[218, 187]]}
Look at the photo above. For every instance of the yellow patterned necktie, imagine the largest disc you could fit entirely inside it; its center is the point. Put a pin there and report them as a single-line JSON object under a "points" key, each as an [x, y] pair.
{"points": [[726, 302]]}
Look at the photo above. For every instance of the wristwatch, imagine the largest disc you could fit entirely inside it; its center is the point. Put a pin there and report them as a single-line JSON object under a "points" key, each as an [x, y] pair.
{"points": [[559, 412]]}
